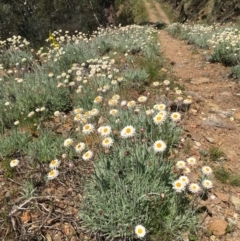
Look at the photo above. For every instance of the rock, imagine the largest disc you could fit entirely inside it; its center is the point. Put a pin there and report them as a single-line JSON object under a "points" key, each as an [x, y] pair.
{"points": [[226, 93], [214, 107], [236, 202], [231, 221], [215, 121], [216, 201], [199, 81], [196, 136], [237, 116], [193, 111], [222, 196], [198, 144], [230, 239], [218, 227], [209, 139]]}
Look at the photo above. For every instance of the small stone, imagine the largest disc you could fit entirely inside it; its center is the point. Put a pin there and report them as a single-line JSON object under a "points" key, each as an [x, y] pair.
{"points": [[198, 144], [218, 227], [222, 196], [236, 202], [226, 93], [213, 238], [193, 111], [237, 116], [199, 81], [209, 139], [231, 221]]}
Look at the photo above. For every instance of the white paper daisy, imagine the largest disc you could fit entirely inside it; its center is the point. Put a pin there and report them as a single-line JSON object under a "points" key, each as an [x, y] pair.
{"points": [[159, 146], [128, 131], [140, 231]]}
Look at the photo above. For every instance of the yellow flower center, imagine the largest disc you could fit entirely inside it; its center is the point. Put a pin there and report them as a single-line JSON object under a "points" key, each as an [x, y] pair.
{"points": [[128, 130], [159, 145], [87, 127], [140, 231], [175, 116], [53, 162], [178, 184], [51, 173], [159, 118], [105, 130]]}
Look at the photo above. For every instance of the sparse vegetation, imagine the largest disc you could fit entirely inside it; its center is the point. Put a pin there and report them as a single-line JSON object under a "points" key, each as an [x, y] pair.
{"points": [[225, 176], [215, 153]]}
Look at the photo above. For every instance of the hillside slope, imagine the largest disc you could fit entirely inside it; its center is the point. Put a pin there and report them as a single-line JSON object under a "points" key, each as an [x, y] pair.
{"points": [[209, 10]]}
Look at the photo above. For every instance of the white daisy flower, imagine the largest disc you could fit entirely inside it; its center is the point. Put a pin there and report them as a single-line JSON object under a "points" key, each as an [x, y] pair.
{"points": [[142, 99], [178, 92], [113, 112], [207, 184], [184, 179], [175, 116], [57, 113], [87, 114], [52, 174], [159, 107], [128, 131], [112, 102], [186, 170], [159, 146], [156, 83], [131, 104], [207, 170], [140, 231], [94, 112], [123, 103], [159, 119], [116, 97], [149, 112], [192, 161], [105, 130], [78, 111], [178, 186], [166, 82], [98, 99], [16, 123], [78, 117], [55, 163], [80, 147], [187, 101], [87, 129], [87, 155], [194, 188], [107, 142], [14, 163], [68, 142], [181, 164]]}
